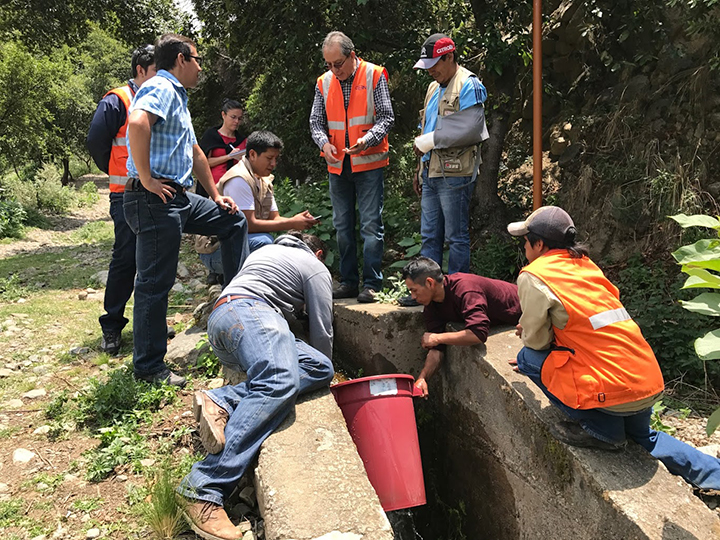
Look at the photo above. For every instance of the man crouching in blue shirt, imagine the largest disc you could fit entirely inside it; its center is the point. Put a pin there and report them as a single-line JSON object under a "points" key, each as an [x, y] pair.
{"points": [[163, 154], [248, 332]]}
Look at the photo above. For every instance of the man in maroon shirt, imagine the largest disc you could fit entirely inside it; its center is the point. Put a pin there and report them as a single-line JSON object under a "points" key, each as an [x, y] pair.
{"points": [[475, 301]]}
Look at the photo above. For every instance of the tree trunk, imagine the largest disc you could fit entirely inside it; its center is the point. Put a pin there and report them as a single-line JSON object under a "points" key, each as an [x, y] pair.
{"points": [[66, 177], [488, 212]]}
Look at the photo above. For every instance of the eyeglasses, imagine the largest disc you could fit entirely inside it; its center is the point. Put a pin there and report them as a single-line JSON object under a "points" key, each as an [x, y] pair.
{"points": [[198, 59], [336, 65]]}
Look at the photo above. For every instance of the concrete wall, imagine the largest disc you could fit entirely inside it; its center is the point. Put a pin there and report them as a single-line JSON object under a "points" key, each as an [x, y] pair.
{"points": [[487, 452]]}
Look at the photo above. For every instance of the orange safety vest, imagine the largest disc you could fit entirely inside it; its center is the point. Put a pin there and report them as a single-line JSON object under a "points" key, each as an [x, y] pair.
{"points": [[357, 119], [117, 168], [600, 358]]}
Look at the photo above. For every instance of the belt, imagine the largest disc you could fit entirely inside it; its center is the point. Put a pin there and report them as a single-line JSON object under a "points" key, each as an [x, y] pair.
{"points": [[230, 297], [134, 184]]}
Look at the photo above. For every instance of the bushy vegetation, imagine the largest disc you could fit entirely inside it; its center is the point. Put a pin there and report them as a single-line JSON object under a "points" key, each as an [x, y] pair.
{"points": [[115, 409]]}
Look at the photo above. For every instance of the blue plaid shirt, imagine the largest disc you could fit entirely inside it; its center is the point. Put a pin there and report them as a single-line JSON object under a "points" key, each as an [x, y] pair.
{"points": [[172, 136]]}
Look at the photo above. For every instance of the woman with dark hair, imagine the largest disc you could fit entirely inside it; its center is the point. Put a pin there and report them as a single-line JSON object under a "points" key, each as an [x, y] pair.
{"points": [[222, 145], [588, 356]]}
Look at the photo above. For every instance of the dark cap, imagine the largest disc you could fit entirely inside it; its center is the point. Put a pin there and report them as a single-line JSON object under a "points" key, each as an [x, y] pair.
{"points": [[549, 222], [434, 47]]}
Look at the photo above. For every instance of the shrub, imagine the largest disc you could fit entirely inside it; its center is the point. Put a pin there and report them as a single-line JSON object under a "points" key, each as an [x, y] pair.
{"points": [[649, 293], [51, 195], [12, 218]]}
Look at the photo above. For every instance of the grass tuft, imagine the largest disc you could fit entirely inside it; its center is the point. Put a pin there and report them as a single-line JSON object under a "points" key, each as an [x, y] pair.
{"points": [[163, 514]]}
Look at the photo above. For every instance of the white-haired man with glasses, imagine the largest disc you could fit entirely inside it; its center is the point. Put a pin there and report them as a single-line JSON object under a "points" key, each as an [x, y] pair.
{"points": [[350, 120]]}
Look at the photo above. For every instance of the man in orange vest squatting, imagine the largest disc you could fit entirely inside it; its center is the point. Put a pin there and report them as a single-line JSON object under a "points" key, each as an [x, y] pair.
{"points": [[106, 143], [588, 356], [350, 119], [475, 301]]}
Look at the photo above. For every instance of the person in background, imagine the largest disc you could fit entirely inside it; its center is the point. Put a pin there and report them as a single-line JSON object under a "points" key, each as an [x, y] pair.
{"points": [[248, 331], [250, 184], [224, 145], [448, 158], [163, 156], [350, 120], [106, 142], [588, 356], [475, 301]]}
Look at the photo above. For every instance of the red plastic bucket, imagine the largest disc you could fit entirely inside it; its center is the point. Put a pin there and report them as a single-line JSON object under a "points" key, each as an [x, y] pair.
{"points": [[380, 417]]}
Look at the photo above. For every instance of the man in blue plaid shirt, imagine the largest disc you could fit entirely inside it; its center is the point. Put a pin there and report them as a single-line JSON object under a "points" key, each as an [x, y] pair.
{"points": [[163, 154]]}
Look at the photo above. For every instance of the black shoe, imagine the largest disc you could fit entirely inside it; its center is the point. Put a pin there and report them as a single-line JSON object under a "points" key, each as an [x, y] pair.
{"points": [[170, 332], [574, 435], [407, 301], [345, 291], [165, 376], [367, 296], [214, 279], [110, 343]]}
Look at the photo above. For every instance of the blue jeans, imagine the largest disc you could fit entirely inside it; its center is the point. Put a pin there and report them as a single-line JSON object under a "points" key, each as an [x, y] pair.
{"points": [[249, 335], [445, 212], [212, 261], [365, 188], [121, 273], [258, 240], [695, 467], [159, 227]]}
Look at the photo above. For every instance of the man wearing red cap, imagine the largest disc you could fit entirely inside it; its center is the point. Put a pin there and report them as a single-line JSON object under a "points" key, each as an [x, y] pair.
{"points": [[452, 127]]}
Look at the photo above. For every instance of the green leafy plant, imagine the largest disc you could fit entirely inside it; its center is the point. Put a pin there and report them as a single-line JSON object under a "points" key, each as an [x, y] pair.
{"points": [[412, 245], [12, 218], [656, 422], [396, 289], [701, 262], [207, 364]]}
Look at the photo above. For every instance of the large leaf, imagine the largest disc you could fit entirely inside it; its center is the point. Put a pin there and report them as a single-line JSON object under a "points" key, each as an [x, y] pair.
{"points": [[700, 251], [713, 422], [700, 279], [697, 220], [708, 346], [705, 304]]}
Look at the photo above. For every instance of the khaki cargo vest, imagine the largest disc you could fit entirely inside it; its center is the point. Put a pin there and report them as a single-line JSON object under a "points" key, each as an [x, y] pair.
{"points": [[454, 161], [262, 188]]}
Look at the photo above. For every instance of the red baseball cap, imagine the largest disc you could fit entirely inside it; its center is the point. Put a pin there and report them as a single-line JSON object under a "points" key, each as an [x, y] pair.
{"points": [[434, 47]]}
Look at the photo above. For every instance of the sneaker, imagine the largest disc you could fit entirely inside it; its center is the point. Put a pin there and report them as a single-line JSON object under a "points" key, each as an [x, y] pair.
{"points": [[366, 296], [573, 434], [407, 301], [210, 521], [170, 332], [110, 343], [213, 279], [345, 291], [212, 420], [165, 376]]}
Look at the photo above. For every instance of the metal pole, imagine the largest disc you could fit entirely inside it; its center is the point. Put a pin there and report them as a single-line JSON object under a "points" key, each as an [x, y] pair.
{"points": [[537, 104]]}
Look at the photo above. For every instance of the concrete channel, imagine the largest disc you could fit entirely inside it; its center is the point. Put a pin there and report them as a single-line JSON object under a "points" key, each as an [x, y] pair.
{"points": [[492, 469]]}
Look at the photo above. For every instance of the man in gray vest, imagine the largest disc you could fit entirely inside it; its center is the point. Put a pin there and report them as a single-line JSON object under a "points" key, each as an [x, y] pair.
{"points": [[452, 127], [249, 183]]}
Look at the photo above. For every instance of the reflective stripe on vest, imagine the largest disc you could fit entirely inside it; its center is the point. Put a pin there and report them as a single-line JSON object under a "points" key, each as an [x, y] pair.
{"points": [[117, 167], [601, 358], [360, 115], [601, 320]]}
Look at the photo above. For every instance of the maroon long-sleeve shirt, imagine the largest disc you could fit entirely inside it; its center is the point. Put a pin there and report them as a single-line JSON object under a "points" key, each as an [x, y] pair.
{"points": [[475, 301]]}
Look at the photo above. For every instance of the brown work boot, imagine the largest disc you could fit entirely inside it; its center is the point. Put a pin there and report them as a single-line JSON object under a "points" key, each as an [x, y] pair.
{"points": [[210, 521], [212, 420]]}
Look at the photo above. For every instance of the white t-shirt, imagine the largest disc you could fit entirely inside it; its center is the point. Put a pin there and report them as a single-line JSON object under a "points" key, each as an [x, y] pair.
{"points": [[240, 192]]}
